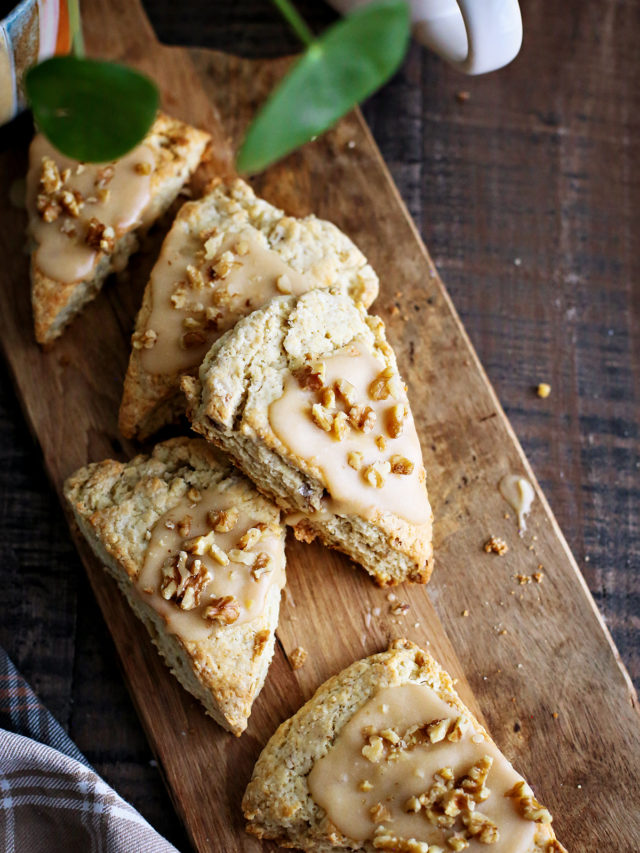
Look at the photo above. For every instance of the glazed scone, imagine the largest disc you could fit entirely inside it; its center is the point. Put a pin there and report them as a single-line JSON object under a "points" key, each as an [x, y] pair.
{"points": [[199, 554], [83, 218], [305, 396], [385, 756], [225, 255]]}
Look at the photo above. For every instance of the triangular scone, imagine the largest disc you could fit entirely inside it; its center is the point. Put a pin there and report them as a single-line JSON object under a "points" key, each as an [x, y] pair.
{"points": [[83, 218], [225, 255], [199, 555], [305, 396], [386, 757]]}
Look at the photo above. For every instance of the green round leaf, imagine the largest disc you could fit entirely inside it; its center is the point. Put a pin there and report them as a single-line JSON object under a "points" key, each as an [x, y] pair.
{"points": [[344, 66], [91, 110]]}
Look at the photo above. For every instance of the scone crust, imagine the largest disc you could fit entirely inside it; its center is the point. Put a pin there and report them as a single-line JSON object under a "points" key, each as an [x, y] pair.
{"points": [[244, 372], [178, 148], [277, 803], [309, 245], [115, 503]]}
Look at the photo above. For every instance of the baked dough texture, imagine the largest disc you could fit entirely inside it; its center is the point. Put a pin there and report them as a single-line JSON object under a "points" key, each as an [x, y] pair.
{"points": [[277, 803], [245, 372], [309, 245], [115, 505], [177, 148]]}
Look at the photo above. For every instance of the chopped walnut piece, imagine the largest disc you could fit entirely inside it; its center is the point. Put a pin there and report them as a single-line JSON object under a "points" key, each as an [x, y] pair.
{"points": [[496, 546], [437, 730], [362, 418], [184, 526], [252, 536], [365, 786], [474, 782], [242, 248], [206, 545], [413, 804], [194, 277], [105, 176], [50, 180], [67, 227], [71, 202], [223, 520], [376, 475], [224, 264], [354, 459], [144, 340], [48, 208], [224, 610], [298, 657], [183, 581], [259, 642], [395, 418], [99, 236], [322, 417], [373, 750], [457, 842], [328, 398], [263, 564], [522, 579], [390, 735], [527, 805], [457, 729], [379, 813], [143, 168], [480, 827], [247, 558], [347, 391], [538, 577], [311, 376], [399, 609], [384, 840], [194, 495], [379, 388], [381, 442], [401, 465], [339, 426]]}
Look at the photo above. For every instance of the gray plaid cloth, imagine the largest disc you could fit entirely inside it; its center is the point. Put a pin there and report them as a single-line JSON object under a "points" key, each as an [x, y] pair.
{"points": [[51, 800]]}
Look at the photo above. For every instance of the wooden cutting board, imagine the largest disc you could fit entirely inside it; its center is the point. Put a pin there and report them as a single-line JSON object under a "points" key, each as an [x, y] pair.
{"points": [[535, 659]]}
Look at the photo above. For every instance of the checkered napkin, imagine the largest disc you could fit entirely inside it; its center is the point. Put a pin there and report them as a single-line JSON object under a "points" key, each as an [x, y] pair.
{"points": [[51, 801]]}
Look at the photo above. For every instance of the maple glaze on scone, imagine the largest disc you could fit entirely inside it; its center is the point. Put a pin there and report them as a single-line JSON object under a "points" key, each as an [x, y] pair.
{"points": [[194, 303], [408, 765], [353, 424], [74, 207], [209, 565]]}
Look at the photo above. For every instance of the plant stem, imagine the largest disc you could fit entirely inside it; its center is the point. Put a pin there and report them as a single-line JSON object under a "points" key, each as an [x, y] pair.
{"points": [[295, 21], [75, 25]]}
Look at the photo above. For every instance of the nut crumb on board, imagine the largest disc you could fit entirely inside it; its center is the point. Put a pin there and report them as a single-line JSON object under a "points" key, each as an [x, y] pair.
{"points": [[495, 545], [543, 390], [297, 658]]}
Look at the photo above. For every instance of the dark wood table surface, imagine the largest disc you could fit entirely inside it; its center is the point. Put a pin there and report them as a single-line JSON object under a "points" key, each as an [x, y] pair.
{"points": [[527, 195]]}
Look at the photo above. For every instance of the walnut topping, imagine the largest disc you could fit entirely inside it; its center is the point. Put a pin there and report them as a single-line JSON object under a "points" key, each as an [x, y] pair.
{"points": [[224, 610], [144, 340], [395, 418], [263, 564], [310, 376], [298, 657], [67, 227], [143, 168], [223, 520], [184, 526], [242, 248], [283, 284], [206, 545], [224, 265], [365, 786], [362, 418], [390, 735], [457, 842], [399, 609], [412, 805], [401, 465], [381, 442], [247, 558], [339, 426], [194, 495], [437, 730], [373, 750], [259, 642], [71, 202], [195, 277], [379, 813], [380, 387], [480, 827], [105, 176], [376, 475], [48, 208], [347, 391], [527, 805], [99, 236], [322, 417], [184, 581], [328, 398], [50, 180], [354, 459], [252, 536], [384, 840], [496, 546]]}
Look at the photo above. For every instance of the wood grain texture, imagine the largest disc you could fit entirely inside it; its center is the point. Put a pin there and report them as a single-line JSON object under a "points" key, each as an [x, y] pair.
{"points": [[467, 445]]}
